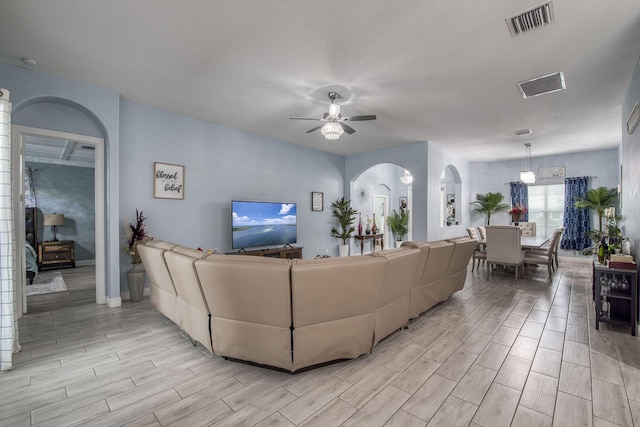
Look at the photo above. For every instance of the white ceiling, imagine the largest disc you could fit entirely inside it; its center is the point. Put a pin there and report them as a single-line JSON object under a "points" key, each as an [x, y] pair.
{"points": [[439, 70]]}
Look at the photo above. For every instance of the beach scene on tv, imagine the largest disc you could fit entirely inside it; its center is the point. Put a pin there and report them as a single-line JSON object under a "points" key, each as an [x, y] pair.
{"points": [[263, 224]]}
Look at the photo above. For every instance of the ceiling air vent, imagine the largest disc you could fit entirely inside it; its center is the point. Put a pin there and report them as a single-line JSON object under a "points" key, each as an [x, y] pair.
{"points": [[530, 19], [541, 85]]}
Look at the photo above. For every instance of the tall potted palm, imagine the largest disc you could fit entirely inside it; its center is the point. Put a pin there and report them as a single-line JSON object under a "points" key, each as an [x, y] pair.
{"points": [[597, 199], [489, 203], [345, 215]]}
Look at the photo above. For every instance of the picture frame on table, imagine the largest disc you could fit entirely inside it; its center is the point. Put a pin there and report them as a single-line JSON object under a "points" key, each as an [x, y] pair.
{"points": [[317, 201], [168, 181]]}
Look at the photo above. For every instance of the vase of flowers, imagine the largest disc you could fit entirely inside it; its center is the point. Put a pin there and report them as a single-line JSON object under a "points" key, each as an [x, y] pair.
{"points": [[516, 212], [136, 235]]}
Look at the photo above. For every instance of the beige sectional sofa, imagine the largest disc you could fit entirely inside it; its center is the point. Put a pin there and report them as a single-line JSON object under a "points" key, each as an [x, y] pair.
{"points": [[294, 314]]}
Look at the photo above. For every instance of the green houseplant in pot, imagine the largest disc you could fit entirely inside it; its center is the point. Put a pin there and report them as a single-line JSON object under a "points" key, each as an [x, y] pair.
{"points": [[489, 203], [597, 199], [345, 215], [398, 224], [136, 235]]}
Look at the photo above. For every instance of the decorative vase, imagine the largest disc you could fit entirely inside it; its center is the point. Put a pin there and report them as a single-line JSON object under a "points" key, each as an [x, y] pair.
{"points": [[368, 229], [135, 278], [374, 228], [359, 225]]}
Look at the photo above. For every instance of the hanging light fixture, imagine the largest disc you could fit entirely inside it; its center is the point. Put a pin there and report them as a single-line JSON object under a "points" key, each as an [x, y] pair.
{"points": [[526, 174], [331, 130], [407, 178]]}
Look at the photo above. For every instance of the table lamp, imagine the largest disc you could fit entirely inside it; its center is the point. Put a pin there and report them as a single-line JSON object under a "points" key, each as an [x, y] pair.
{"points": [[54, 220]]}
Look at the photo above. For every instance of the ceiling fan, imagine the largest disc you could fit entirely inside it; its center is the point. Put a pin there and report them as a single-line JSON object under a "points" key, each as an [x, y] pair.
{"points": [[333, 122]]}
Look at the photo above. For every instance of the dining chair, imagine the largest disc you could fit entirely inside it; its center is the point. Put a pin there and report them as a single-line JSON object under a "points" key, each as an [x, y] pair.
{"points": [[479, 254], [504, 247], [483, 232], [528, 228], [554, 245], [544, 255]]}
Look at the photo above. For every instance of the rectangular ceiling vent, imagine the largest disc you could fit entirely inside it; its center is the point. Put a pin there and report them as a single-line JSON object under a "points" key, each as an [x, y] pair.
{"points": [[541, 85], [530, 19]]}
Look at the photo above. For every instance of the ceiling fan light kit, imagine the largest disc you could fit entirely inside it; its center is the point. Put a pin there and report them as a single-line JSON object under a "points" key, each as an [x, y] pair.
{"points": [[334, 125]]}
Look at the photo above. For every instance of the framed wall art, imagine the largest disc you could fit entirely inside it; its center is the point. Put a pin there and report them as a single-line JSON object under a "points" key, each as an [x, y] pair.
{"points": [[317, 201], [168, 181]]}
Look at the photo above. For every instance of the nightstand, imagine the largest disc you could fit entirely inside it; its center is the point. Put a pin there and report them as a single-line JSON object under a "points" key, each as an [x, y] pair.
{"points": [[56, 254]]}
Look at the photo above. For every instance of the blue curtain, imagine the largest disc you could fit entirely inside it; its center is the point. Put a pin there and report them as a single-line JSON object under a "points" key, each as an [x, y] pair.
{"points": [[577, 221], [520, 196]]}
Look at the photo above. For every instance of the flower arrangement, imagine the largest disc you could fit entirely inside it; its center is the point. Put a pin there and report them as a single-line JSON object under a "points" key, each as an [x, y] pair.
{"points": [[517, 211], [136, 234]]}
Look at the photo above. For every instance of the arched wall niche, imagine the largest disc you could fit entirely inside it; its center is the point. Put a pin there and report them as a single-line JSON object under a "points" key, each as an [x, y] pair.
{"points": [[380, 189], [450, 195]]}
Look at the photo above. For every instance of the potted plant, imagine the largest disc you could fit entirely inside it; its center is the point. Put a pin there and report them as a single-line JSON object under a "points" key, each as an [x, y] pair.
{"points": [[489, 203], [345, 214], [136, 235], [598, 200], [398, 224]]}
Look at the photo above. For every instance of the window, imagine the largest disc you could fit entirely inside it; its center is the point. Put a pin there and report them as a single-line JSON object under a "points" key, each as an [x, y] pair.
{"points": [[546, 207]]}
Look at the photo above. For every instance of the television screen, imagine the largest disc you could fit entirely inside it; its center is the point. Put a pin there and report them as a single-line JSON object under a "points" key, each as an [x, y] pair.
{"points": [[262, 224]]}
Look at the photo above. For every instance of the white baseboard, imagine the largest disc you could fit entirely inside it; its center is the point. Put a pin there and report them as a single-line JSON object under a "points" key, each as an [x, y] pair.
{"points": [[114, 302]]}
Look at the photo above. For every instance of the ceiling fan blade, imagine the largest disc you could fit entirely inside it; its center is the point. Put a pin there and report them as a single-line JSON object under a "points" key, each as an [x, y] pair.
{"points": [[302, 118], [360, 118], [348, 129], [314, 129]]}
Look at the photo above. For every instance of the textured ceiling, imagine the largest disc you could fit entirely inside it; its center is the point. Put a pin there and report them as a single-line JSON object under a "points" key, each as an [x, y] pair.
{"points": [[436, 70]]}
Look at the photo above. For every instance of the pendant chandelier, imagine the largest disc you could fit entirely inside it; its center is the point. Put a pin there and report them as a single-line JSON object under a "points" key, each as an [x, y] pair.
{"points": [[526, 174]]}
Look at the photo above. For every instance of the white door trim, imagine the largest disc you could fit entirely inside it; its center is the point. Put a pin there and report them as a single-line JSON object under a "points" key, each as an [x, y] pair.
{"points": [[19, 134]]}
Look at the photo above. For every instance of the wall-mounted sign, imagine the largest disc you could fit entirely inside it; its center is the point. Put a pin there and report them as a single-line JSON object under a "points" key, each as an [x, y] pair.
{"points": [[168, 181]]}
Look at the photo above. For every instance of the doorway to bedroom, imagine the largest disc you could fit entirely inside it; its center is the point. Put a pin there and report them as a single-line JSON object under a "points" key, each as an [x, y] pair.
{"points": [[63, 205]]}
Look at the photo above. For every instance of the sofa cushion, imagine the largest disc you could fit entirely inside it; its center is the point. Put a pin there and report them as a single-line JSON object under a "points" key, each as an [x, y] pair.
{"points": [[333, 306], [429, 293], [164, 296], [392, 308], [250, 304], [457, 269]]}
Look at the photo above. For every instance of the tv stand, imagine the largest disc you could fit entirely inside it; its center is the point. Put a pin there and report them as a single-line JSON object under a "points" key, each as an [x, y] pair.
{"points": [[289, 252]]}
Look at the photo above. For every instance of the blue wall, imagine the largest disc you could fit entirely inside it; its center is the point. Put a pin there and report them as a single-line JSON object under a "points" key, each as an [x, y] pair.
{"points": [[221, 164], [67, 190], [494, 177], [630, 159]]}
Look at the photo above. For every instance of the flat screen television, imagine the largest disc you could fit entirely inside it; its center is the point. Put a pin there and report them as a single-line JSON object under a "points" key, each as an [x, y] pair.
{"points": [[256, 224]]}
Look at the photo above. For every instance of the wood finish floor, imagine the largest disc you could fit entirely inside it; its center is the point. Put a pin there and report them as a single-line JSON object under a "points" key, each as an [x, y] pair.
{"points": [[496, 353], [81, 290]]}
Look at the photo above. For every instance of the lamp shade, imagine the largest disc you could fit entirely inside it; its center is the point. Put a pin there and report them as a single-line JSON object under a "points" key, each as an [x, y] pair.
{"points": [[54, 219], [331, 130]]}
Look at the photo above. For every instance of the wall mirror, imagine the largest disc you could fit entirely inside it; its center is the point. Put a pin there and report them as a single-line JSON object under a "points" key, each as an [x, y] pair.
{"points": [[450, 193]]}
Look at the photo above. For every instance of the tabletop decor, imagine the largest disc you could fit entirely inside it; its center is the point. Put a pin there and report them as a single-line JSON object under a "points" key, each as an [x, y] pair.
{"points": [[516, 213]]}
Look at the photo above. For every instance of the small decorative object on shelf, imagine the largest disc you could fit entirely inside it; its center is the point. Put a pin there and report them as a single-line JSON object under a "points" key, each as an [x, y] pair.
{"points": [[368, 228], [359, 224], [374, 229]]}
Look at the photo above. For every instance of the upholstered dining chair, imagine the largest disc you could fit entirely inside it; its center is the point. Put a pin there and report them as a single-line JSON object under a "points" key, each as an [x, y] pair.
{"points": [[483, 232], [479, 254], [528, 228], [504, 247], [554, 245], [545, 255]]}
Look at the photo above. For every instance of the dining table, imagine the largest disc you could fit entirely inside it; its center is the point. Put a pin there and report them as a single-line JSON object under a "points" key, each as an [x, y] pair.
{"points": [[526, 242], [533, 242]]}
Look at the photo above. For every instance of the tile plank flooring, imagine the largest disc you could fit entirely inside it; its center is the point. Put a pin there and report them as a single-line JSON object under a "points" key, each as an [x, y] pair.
{"points": [[496, 353]]}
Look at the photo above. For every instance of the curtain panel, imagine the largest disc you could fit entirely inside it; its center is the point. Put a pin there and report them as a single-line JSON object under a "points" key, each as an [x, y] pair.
{"points": [[577, 221], [8, 298], [520, 196]]}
